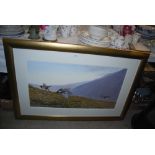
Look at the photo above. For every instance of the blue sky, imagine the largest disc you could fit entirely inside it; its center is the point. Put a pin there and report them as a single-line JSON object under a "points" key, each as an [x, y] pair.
{"points": [[60, 74]]}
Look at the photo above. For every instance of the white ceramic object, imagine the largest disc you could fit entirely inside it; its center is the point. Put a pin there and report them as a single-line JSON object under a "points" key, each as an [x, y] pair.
{"points": [[97, 32], [65, 30], [118, 28], [50, 33], [86, 39], [128, 40], [108, 39], [119, 42], [74, 30], [135, 38]]}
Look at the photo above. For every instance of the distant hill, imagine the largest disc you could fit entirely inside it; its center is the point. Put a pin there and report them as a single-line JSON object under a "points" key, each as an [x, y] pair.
{"points": [[57, 87], [105, 88]]}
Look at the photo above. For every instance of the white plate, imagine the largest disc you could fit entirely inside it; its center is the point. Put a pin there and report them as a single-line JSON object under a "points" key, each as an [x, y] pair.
{"points": [[86, 39]]}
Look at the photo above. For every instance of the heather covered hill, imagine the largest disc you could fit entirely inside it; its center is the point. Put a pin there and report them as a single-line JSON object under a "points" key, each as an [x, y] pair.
{"points": [[105, 88]]}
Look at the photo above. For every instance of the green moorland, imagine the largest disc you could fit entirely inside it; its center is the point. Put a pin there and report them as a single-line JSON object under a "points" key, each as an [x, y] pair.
{"points": [[45, 98]]}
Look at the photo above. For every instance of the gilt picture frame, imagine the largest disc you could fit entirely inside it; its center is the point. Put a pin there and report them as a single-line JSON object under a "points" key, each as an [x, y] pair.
{"points": [[71, 82]]}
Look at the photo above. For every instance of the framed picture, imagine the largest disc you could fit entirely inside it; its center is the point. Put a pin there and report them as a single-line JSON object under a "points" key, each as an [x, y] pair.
{"points": [[71, 82]]}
